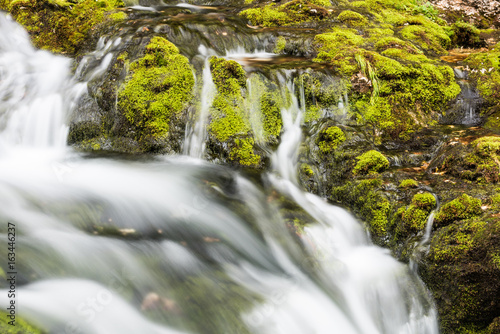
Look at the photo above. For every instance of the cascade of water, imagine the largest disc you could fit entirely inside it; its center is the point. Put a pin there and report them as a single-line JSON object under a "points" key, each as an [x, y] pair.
{"points": [[35, 86], [375, 300], [109, 245], [194, 145]]}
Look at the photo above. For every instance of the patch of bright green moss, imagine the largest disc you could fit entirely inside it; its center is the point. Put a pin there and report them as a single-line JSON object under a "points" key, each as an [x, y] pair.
{"points": [[307, 170], [229, 122], [408, 183], [280, 45], [424, 201], [329, 138], [58, 25], [463, 207], [396, 43], [455, 240], [290, 13], [427, 38], [371, 162], [160, 85], [352, 18]]}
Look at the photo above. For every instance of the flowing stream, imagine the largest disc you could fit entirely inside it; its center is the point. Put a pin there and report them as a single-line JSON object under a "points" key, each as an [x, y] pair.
{"points": [[176, 244]]}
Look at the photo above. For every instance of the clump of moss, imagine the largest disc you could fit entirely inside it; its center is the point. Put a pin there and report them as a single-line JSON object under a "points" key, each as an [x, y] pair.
{"points": [[427, 38], [280, 45], [158, 87], [330, 138], [463, 207], [408, 183], [466, 35], [352, 18], [306, 170], [229, 122], [61, 26], [290, 13], [461, 272], [410, 220], [390, 42], [424, 201], [365, 199], [370, 162]]}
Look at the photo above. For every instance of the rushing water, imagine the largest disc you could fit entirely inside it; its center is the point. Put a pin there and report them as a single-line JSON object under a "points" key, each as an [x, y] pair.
{"points": [[177, 245]]}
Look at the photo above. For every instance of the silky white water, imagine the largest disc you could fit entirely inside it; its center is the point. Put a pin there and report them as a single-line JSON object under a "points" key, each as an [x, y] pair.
{"points": [[177, 245]]}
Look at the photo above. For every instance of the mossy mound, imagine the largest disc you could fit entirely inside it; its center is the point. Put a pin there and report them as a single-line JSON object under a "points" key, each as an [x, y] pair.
{"points": [[291, 13], [329, 138], [158, 87], [58, 25], [476, 161], [461, 208], [463, 271], [408, 183], [352, 18], [370, 162], [235, 129]]}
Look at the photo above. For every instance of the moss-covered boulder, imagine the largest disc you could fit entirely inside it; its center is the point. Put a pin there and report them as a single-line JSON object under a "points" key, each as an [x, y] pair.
{"points": [[290, 13], [371, 162], [463, 207], [329, 138], [157, 90], [462, 269], [59, 25]]}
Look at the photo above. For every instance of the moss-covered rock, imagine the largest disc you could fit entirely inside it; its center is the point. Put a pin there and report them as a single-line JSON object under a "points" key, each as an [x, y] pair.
{"points": [[462, 272], [408, 183], [329, 138], [290, 13], [370, 162], [158, 87], [61, 26], [352, 18], [365, 199], [463, 207]]}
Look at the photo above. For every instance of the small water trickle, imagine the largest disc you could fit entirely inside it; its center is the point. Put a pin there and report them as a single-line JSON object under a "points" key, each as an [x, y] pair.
{"points": [[194, 144]]}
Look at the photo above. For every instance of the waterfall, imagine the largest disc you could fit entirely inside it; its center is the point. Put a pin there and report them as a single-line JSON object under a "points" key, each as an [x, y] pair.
{"points": [[194, 144], [34, 86], [173, 245]]}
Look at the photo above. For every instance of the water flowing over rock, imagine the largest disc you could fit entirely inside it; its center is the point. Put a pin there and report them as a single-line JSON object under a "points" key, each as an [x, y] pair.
{"points": [[175, 244]]}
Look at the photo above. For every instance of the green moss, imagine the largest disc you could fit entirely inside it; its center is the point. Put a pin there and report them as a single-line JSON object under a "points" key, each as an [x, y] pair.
{"points": [[229, 122], [463, 207], [486, 73], [396, 43], [465, 35], [21, 326], [280, 45], [306, 170], [338, 48], [229, 77], [424, 201], [408, 183], [58, 25], [352, 18], [411, 220], [455, 241], [160, 85], [427, 38], [365, 199], [370, 162], [243, 152], [330, 138], [290, 13]]}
